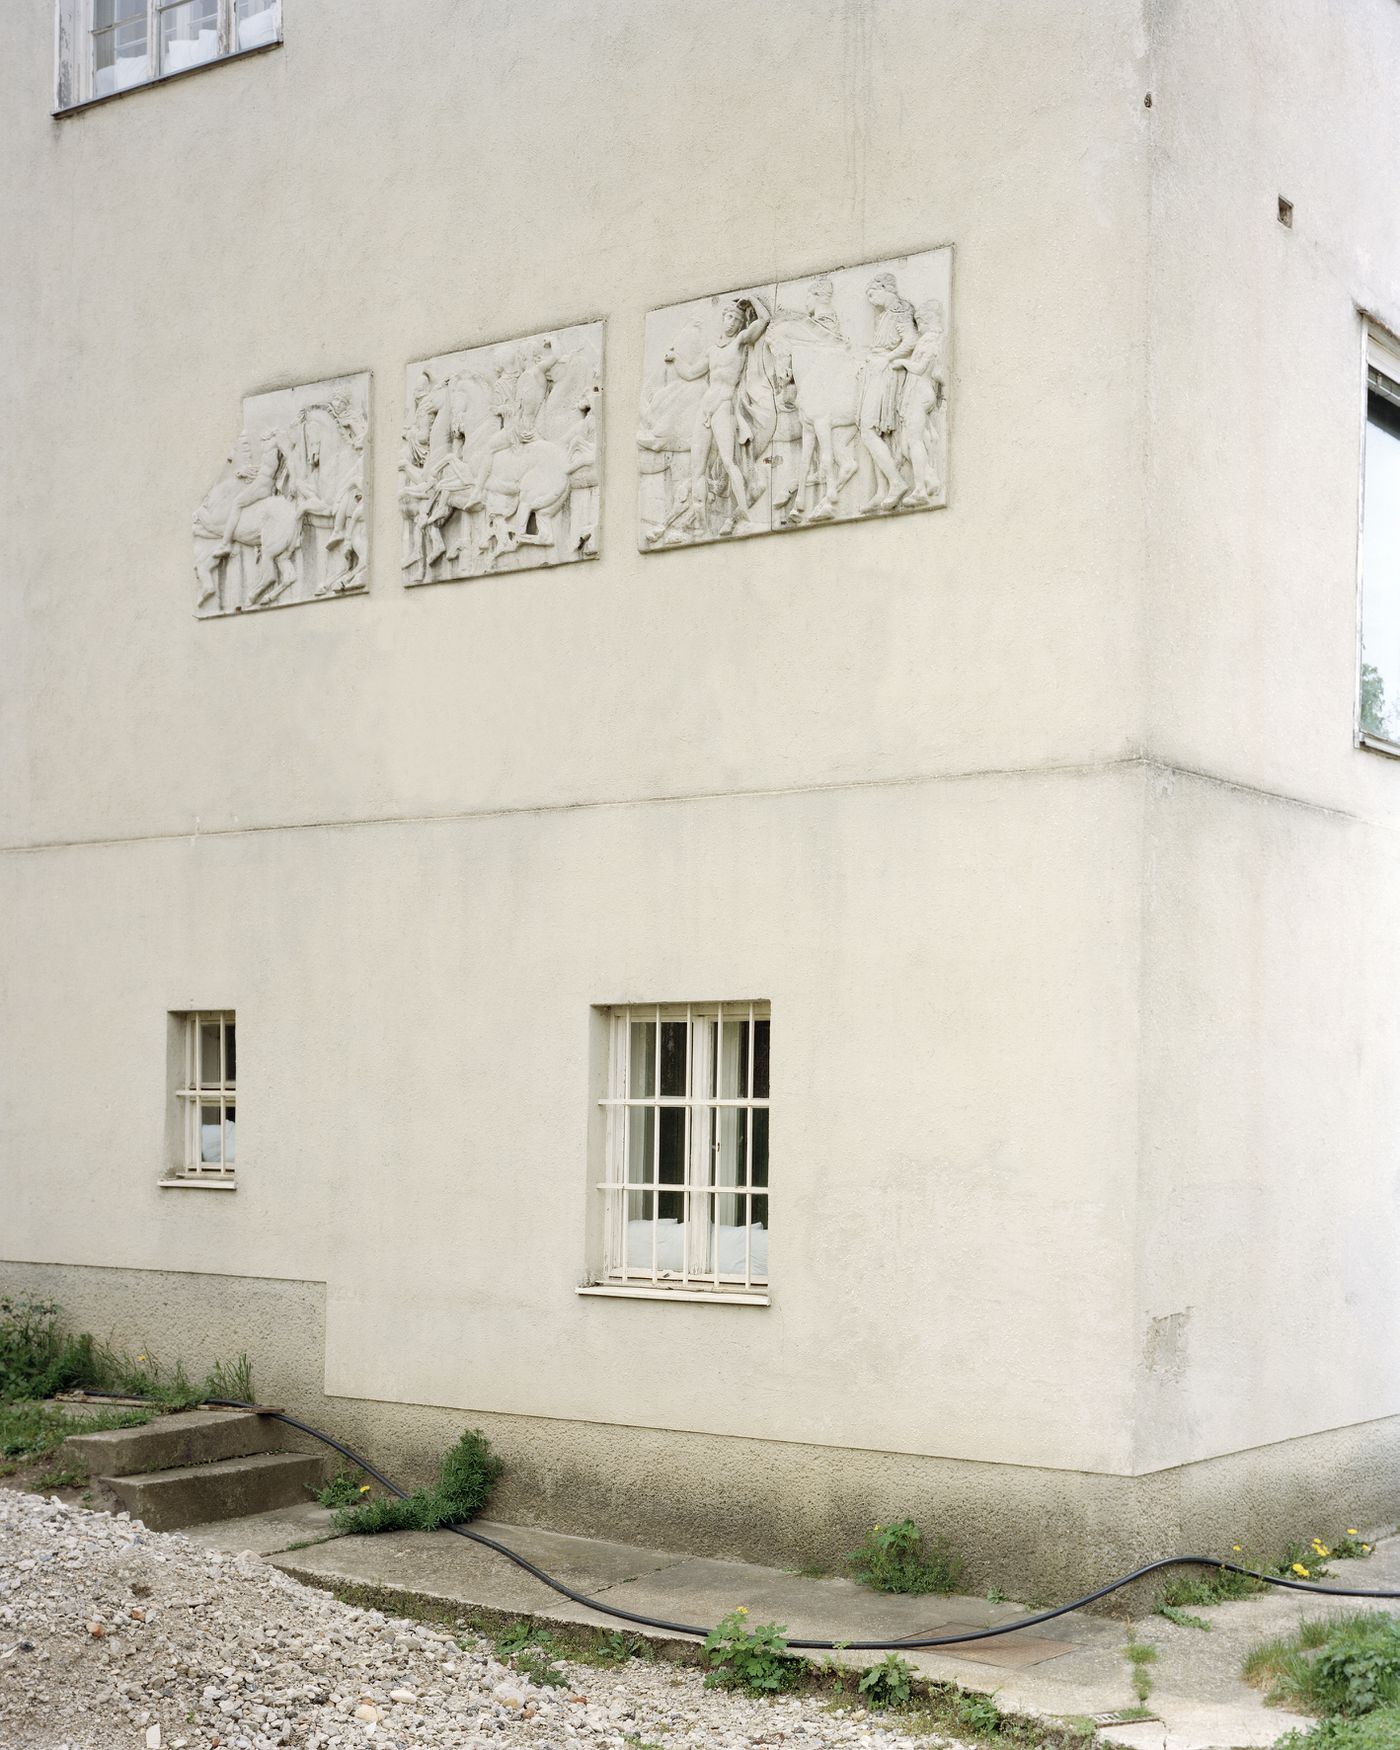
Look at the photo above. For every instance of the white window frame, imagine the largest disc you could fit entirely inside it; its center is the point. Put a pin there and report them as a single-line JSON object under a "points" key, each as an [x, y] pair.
{"points": [[194, 1093], [1381, 376], [704, 1187], [75, 60]]}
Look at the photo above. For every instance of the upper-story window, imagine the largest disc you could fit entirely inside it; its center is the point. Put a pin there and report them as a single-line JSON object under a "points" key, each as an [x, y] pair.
{"points": [[107, 46], [1379, 719]]}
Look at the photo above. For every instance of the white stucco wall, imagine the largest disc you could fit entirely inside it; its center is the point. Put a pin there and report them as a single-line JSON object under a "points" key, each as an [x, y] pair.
{"points": [[925, 783], [362, 825], [1269, 1231]]}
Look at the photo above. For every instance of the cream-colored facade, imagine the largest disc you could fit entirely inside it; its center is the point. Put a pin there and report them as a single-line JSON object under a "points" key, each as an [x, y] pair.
{"points": [[1037, 818]]}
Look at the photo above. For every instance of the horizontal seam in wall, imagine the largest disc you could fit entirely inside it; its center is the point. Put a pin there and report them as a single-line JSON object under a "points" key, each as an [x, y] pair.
{"points": [[1088, 768], [160, 1270]]}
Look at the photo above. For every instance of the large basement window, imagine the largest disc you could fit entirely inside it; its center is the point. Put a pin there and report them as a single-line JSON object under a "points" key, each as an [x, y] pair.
{"points": [[109, 46], [206, 1097], [686, 1185], [1379, 719]]}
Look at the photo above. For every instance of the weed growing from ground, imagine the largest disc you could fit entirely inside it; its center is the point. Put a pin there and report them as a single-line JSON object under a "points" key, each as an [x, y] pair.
{"points": [[1374, 1731], [469, 1473], [231, 1379], [615, 1648], [532, 1651], [893, 1558], [755, 1659], [1347, 1665], [888, 1684], [38, 1358], [343, 1490], [1182, 1618], [1300, 1561], [30, 1431], [1140, 1654], [979, 1713]]}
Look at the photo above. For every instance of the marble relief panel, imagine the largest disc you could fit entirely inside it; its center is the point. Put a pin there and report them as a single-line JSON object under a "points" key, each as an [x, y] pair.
{"points": [[818, 399], [285, 520], [499, 469]]}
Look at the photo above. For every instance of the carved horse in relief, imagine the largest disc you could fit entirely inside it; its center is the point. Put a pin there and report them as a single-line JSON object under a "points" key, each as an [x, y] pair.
{"points": [[826, 375], [272, 525]]}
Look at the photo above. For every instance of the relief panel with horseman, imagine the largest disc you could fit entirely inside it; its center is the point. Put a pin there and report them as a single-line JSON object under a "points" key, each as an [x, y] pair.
{"points": [[499, 470], [285, 521]]}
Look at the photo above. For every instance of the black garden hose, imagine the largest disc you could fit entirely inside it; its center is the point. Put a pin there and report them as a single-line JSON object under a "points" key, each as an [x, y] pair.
{"points": [[912, 1644]]}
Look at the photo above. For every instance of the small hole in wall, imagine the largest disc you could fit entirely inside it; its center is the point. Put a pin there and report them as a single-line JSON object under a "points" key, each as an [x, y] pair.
{"points": [[1285, 212]]}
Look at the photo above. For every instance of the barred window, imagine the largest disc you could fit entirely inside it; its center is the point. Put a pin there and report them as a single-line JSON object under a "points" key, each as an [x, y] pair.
{"points": [[207, 1095], [686, 1185]]}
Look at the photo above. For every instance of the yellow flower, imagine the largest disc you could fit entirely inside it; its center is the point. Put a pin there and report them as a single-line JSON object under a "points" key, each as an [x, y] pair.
{"points": [[1298, 1568], [1351, 1531], [364, 1488], [140, 1357], [1235, 1547]]}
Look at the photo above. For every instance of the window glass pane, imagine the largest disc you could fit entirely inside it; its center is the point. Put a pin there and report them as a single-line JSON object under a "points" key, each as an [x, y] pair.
{"points": [[733, 1056], [760, 1146], [209, 1069], [230, 1055], [738, 1243], [209, 1120], [189, 34], [119, 57], [672, 1203], [640, 1156], [641, 1069], [673, 1038], [257, 23], [1380, 573], [105, 12], [760, 1060], [228, 1136]]}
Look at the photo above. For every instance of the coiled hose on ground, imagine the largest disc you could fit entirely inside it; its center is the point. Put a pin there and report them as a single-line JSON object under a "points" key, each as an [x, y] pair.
{"points": [[911, 1644]]}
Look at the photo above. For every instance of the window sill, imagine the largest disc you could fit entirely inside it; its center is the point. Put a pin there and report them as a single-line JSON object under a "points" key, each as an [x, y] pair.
{"points": [[716, 1297], [163, 79], [1377, 743], [196, 1184]]}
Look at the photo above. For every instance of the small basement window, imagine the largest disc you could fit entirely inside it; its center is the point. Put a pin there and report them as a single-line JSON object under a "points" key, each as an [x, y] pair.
{"points": [[206, 1098], [685, 1191], [1379, 690], [109, 46]]}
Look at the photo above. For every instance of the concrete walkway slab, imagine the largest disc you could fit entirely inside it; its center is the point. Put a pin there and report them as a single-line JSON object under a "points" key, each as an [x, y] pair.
{"points": [[266, 1534], [1073, 1666]]}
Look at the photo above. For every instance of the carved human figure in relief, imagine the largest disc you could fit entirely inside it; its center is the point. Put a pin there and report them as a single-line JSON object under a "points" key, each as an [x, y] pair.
{"points": [[262, 484], [880, 385], [720, 424], [251, 514], [820, 308], [924, 390]]}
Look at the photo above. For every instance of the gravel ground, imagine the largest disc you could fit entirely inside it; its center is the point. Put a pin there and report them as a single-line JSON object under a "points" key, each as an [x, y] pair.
{"points": [[113, 1637]]}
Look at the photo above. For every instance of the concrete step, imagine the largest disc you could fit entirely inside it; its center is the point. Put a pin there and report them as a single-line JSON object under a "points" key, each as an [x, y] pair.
{"points": [[229, 1488], [188, 1437]]}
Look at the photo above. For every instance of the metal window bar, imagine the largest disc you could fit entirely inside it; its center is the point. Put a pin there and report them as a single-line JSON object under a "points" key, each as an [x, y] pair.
{"points": [[205, 1092], [717, 1139]]}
